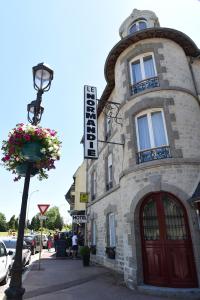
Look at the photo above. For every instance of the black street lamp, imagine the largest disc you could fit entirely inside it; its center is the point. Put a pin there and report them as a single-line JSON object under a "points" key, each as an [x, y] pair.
{"points": [[42, 77]]}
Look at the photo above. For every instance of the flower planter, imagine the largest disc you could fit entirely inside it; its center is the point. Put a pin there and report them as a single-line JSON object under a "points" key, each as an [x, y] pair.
{"points": [[86, 260], [22, 168], [31, 151], [33, 144]]}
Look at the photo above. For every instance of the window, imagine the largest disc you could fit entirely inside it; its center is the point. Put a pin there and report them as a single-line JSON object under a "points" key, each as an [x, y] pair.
{"points": [[109, 183], [136, 26], [93, 241], [111, 237], [143, 73], [151, 134], [2, 250], [107, 127], [93, 185]]}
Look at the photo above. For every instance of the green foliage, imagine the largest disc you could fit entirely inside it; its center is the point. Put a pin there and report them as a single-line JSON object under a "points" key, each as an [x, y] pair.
{"points": [[11, 223], [67, 227], [3, 225], [54, 219], [35, 223], [84, 250]]}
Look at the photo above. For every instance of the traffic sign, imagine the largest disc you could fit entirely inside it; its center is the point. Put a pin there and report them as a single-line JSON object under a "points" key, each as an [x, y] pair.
{"points": [[42, 218], [43, 208]]}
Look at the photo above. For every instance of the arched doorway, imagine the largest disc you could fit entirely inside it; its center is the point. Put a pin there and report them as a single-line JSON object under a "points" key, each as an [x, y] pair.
{"points": [[168, 258]]}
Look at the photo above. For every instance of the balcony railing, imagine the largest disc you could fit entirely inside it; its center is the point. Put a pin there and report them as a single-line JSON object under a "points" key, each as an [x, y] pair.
{"points": [[153, 154], [145, 84]]}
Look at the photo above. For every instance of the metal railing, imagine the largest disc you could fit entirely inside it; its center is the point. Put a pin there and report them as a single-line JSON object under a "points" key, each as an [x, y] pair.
{"points": [[148, 83], [153, 154]]}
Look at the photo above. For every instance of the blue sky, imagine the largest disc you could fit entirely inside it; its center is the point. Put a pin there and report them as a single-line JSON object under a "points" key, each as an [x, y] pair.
{"points": [[74, 38]]}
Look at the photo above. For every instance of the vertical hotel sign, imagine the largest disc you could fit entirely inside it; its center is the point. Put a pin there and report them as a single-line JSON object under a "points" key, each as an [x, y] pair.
{"points": [[90, 122]]}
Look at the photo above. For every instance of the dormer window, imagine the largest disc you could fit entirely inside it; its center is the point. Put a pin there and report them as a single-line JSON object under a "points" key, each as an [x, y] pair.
{"points": [[138, 25]]}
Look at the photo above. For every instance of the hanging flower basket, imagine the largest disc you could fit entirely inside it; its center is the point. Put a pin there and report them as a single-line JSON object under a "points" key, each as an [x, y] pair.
{"points": [[28, 143], [32, 151], [22, 168]]}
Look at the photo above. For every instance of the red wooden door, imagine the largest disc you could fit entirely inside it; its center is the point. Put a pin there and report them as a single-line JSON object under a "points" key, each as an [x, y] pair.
{"points": [[168, 258]]}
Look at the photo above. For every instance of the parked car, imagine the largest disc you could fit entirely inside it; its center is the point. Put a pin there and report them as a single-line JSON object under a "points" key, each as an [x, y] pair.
{"points": [[44, 241], [5, 263], [33, 240], [11, 246]]}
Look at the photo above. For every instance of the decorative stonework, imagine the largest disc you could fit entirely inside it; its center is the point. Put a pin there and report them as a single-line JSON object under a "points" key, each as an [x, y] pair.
{"points": [[141, 49], [148, 103], [147, 15]]}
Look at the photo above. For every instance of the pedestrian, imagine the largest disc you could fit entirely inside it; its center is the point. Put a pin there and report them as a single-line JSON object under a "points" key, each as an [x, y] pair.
{"points": [[74, 245], [49, 242], [61, 246], [55, 238]]}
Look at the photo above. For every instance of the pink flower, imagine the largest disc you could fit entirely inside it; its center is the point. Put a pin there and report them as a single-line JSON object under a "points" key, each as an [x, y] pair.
{"points": [[27, 137], [7, 157]]}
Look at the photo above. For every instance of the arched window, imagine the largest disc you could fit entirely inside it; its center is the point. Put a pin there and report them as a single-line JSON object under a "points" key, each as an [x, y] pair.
{"points": [[138, 25]]}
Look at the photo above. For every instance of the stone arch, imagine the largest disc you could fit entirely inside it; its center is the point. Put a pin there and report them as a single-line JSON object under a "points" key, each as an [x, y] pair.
{"points": [[133, 219]]}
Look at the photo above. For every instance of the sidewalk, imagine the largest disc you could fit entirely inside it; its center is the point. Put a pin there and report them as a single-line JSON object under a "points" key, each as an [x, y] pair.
{"points": [[67, 279]]}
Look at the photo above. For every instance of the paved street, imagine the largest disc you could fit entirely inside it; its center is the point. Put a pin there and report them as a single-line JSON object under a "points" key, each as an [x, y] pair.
{"points": [[67, 279]]}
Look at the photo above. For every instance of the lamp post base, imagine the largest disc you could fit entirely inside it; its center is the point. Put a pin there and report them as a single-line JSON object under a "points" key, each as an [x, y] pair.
{"points": [[15, 293]]}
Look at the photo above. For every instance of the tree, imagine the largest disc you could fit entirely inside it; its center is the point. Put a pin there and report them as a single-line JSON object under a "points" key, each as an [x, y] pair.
{"points": [[16, 223], [3, 225], [59, 222], [54, 220], [35, 223], [11, 223]]}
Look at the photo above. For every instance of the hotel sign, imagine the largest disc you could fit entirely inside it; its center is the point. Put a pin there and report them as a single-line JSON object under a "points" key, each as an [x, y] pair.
{"points": [[78, 219], [90, 122]]}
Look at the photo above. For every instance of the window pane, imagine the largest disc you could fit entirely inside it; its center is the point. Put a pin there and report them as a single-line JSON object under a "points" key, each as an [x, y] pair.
{"points": [[150, 221], [136, 71], [158, 129], [112, 230], [149, 67], [93, 233], [133, 28], [174, 219], [142, 25], [143, 130]]}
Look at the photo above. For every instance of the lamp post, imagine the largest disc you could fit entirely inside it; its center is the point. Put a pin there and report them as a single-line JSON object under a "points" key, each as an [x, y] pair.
{"points": [[42, 77]]}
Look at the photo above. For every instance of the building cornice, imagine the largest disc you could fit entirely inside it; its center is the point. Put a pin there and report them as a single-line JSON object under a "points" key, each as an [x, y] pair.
{"points": [[178, 37]]}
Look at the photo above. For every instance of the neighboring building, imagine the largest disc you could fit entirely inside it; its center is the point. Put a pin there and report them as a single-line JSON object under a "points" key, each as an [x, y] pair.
{"points": [[142, 213], [77, 208]]}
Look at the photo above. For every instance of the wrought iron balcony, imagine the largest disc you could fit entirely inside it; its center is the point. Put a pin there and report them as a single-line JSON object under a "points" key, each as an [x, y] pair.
{"points": [[144, 84], [153, 154]]}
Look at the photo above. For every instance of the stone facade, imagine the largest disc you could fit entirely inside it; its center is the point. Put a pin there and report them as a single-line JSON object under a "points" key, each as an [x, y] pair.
{"points": [[177, 96]]}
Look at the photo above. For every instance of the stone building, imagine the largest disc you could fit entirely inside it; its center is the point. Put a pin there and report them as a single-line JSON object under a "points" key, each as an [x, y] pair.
{"points": [[143, 208]]}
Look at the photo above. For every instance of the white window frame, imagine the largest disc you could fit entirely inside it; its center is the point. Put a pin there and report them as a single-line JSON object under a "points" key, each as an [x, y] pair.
{"points": [[137, 25], [108, 127], [110, 164], [111, 230], [94, 233], [149, 120], [141, 58]]}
